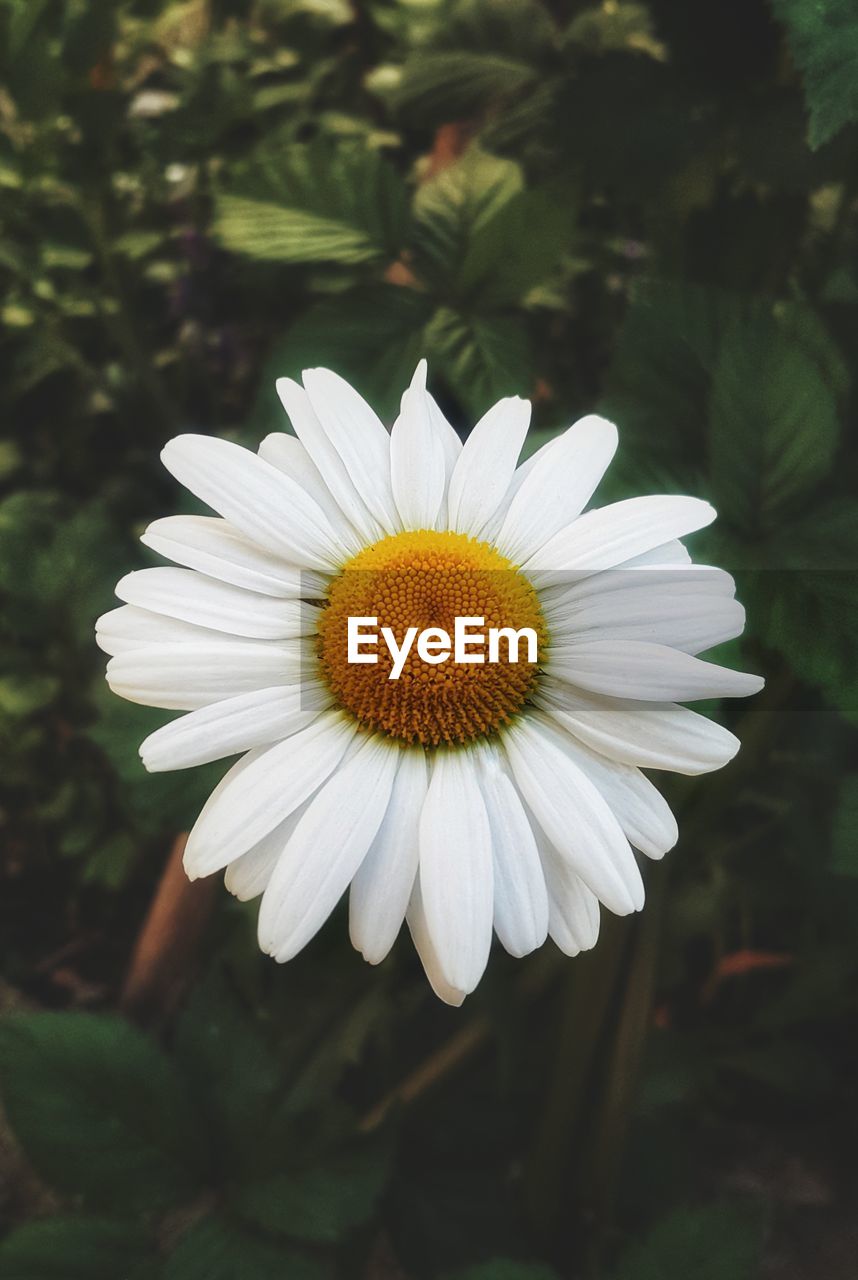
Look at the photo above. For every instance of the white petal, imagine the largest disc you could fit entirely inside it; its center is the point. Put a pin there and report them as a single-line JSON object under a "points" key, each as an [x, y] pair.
{"points": [[649, 672], [574, 815], [417, 469], [216, 547], [492, 529], [382, 886], [359, 438], [639, 807], [654, 735], [486, 465], [451, 447], [446, 433], [322, 452], [660, 579], [684, 608], [669, 553], [520, 896], [423, 945], [235, 724], [456, 869], [289, 455], [557, 488], [326, 849], [206, 602], [573, 910], [611, 535], [182, 676], [126, 628], [248, 876], [262, 789], [264, 503]]}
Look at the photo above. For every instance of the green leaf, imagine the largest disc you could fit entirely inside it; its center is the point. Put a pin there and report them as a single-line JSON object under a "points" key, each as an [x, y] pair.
{"points": [[455, 83], [482, 358], [154, 802], [661, 372], [803, 602], [713, 1243], [495, 272], [480, 55], [217, 1249], [844, 840], [22, 695], [763, 374], [98, 1109], [342, 204], [220, 1047], [372, 336], [774, 425], [452, 209], [823, 37], [320, 1204], [614, 123], [503, 1269], [75, 1248], [622, 26], [273, 233]]}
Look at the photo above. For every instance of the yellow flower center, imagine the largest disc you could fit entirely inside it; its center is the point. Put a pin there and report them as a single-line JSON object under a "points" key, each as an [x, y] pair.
{"points": [[425, 579]]}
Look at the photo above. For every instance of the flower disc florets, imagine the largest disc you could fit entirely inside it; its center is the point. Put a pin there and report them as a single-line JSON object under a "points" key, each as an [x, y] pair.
{"points": [[427, 579]]}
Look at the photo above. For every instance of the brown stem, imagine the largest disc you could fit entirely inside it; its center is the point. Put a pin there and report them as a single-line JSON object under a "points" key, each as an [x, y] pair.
{"points": [[168, 940]]}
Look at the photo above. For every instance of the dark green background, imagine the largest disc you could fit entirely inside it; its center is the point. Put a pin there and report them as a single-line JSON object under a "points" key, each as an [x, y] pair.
{"points": [[645, 208]]}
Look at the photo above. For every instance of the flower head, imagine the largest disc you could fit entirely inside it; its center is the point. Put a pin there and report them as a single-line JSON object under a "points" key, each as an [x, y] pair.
{"points": [[494, 788]]}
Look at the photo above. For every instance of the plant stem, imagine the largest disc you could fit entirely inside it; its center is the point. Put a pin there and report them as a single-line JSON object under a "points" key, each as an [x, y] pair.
{"points": [[604, 1021]]}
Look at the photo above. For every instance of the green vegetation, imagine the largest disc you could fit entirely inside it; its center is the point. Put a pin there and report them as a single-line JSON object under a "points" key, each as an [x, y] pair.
{"points": [[646, 208]]}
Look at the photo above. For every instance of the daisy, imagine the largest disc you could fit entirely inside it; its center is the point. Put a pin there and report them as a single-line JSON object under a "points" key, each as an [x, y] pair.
{"points": [[464, 799]]}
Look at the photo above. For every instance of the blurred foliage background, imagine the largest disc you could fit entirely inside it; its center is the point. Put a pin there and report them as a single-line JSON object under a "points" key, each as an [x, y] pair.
{"points": [[649, 208]]}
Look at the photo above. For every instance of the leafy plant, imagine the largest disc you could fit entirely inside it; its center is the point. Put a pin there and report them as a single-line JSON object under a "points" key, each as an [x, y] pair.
{"points": [[643, 209]]}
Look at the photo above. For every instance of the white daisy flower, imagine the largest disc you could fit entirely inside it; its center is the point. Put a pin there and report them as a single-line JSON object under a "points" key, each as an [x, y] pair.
{"points": [[463, 798]]}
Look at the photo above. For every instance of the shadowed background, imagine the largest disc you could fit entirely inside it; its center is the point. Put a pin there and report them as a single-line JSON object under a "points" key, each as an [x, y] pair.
{"points": [[645, 209]]}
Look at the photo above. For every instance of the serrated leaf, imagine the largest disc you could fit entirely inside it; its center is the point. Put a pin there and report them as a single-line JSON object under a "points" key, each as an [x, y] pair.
{"points": [[762, 374], [320, 1204], [480, 55], [318, 203], [774, 425], [482, 358], [495, 271], [155, 802], [75, 1248], [371, 336], [713, 1243], [661, 372], [807, 329], [218, 1249], [823, 37], [273, 233], [454, 83], [452, 209], [224, 1056], [803, 602], [98, 1109], [844, 839]]}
